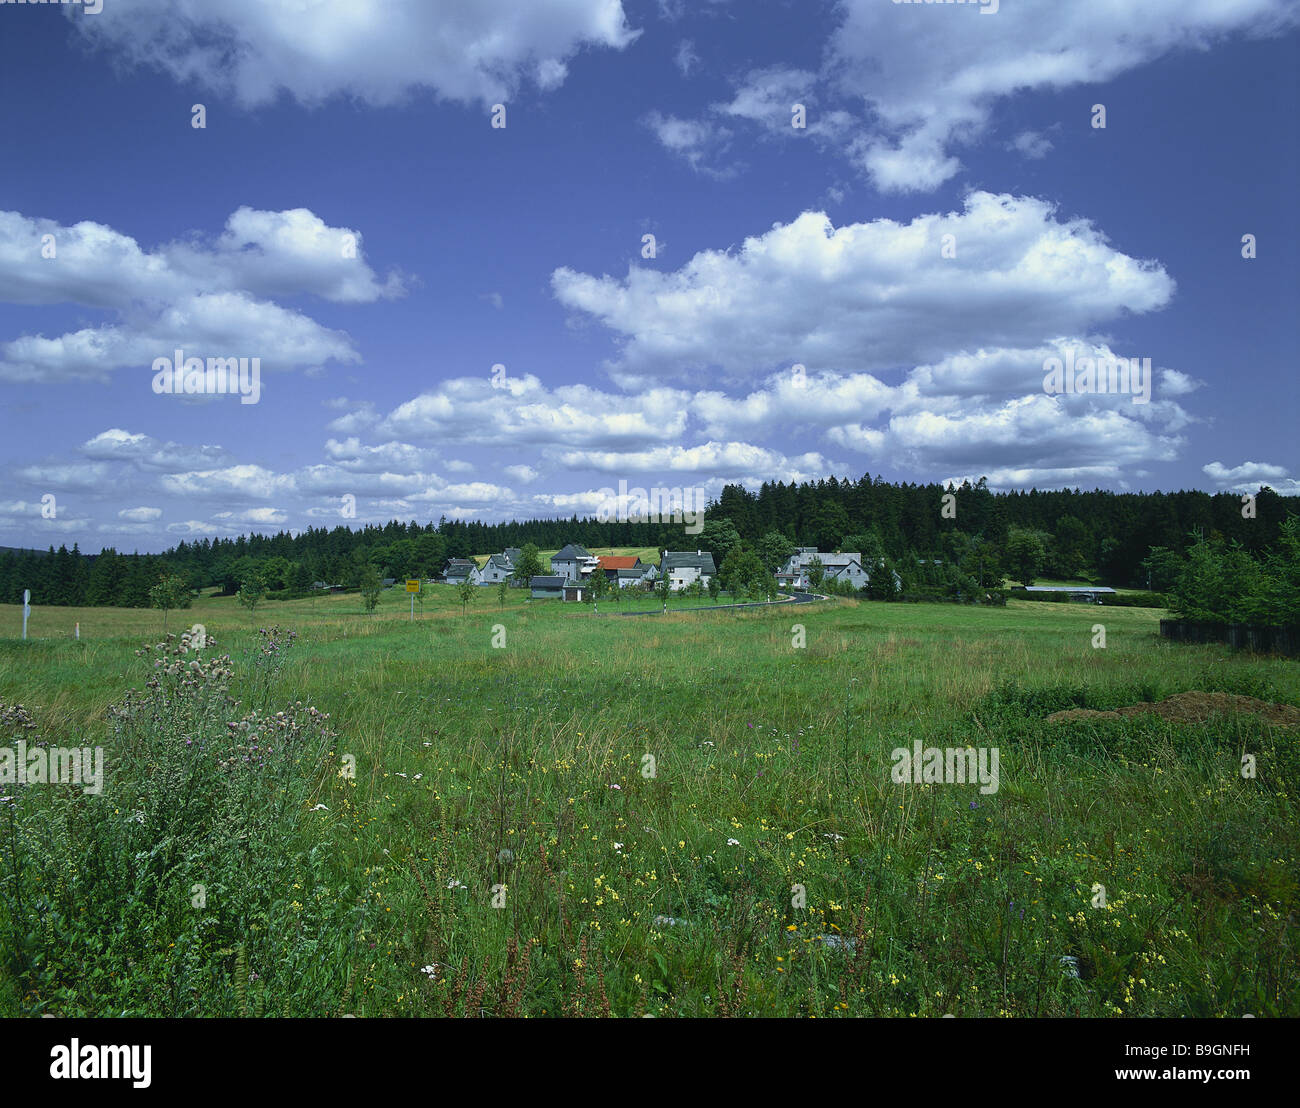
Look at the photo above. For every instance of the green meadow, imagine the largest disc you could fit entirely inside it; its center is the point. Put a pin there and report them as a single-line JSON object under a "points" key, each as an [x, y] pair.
{"points": [[532, 809]]}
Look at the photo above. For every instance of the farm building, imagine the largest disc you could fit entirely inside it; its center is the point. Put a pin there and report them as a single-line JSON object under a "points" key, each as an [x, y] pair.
{"points": [[1086, 594]]}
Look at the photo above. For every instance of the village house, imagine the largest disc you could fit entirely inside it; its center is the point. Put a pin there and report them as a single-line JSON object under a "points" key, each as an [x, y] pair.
{"points": [[641, 574], [683, 567], [610, 564], [460, 570], [496, 569], [573, 563], [835, 567]]}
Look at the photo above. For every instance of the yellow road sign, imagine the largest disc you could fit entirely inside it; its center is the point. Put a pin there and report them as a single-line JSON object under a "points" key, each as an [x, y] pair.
{"points": [[413, 585]]}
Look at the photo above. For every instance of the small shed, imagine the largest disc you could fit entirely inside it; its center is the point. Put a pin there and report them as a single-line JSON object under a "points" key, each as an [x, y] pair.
{"points": [[574, 592], [547, 588]]}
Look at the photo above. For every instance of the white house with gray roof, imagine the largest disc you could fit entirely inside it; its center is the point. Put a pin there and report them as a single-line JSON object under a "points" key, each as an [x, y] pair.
{"points": [[499, 567], [683, 567], [835, 567], [459, 570]]}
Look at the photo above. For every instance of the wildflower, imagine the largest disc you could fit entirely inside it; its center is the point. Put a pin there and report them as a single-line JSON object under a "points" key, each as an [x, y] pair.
{"points": [[733, 842]]}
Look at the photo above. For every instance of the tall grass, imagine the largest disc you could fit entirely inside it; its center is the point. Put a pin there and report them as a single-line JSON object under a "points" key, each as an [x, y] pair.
{"points": [[503, 847]]}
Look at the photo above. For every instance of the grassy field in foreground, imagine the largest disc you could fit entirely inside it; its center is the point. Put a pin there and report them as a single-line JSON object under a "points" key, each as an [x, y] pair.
{"points": [[679, 815]]}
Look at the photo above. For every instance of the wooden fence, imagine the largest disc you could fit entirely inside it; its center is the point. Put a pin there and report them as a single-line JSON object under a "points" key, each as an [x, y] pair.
{"points": [[1240, 636]]}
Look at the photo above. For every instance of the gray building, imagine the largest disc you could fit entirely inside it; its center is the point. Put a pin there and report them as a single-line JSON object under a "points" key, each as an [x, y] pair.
{"points": [[573, 563], [547, 588]]}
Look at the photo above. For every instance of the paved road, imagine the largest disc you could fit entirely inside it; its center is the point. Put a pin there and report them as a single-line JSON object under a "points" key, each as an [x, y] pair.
{"points": [[793, 598]]}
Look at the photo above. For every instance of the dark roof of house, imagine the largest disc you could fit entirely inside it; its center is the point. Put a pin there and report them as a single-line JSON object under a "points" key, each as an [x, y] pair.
{"points": [[513, 553], [687, 559], [829, 559], [570, 553], [460, 568], [461, 562], [633, 572], [390, 580], [498, 560], [547, 582]]}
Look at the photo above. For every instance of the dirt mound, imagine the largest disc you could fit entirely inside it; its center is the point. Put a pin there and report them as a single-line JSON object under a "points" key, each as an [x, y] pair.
{"points": [[1195, 707]]}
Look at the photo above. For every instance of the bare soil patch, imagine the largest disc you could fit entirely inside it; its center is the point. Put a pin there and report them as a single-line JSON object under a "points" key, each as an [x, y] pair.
{"points": [[1195, 707]]}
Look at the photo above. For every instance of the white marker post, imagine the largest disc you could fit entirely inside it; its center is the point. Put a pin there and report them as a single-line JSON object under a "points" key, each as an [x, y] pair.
{"points": [[78, 632], [27, 609]]}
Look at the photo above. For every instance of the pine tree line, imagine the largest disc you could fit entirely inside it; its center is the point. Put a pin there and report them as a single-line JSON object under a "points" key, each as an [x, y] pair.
{"points": [[1105, 534]]}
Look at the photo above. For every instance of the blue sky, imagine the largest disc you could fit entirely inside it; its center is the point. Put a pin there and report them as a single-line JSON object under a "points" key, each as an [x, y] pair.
{"points": [[368, 122]]}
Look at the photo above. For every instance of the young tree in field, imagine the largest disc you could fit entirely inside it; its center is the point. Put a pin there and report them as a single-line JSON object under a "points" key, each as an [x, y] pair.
{"points": [[467, 591], [371, 585], [502, 589], [715, 588], [599, 586], [1025, 555], [529, 564], [663, 587], [170, 592], [251, 592]]}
